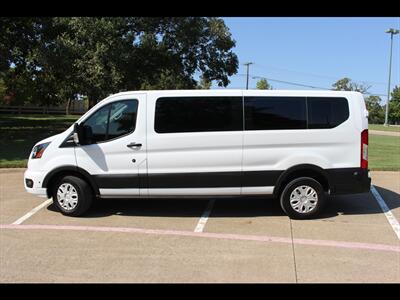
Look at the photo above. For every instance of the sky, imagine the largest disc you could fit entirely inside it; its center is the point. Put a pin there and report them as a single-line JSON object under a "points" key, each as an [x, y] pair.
{"points": [[315, 51]]}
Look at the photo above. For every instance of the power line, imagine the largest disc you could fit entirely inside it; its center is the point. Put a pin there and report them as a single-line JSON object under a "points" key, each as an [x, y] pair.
{"points": [[301, 84], [315, 75], [291, 83]]}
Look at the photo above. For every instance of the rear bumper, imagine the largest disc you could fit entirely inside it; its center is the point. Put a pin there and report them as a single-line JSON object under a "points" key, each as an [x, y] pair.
{"points": [[349, 181]]}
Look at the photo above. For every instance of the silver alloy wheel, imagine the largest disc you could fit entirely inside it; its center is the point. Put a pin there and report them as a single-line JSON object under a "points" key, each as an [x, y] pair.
{"points": [[67, 196], [303, 199]]}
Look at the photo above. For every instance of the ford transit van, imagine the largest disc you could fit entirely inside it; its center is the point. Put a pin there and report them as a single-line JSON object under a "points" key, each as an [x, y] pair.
{"points": [[296, 146]]}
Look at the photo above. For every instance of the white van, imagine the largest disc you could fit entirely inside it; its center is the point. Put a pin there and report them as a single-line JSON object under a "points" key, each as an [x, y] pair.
{"points": [[297, 146]]}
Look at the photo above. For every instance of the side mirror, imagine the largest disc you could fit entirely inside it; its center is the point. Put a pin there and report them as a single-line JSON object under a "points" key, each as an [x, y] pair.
{"points": [[75, 135], [83, 134]]}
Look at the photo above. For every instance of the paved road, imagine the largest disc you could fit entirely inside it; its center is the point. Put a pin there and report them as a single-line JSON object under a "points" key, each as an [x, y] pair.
{"points": [[243, 240]]}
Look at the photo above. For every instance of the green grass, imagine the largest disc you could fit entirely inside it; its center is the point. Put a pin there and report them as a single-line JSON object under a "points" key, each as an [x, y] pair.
{"points": [[18, 134], [384, 153], [384, 128]]}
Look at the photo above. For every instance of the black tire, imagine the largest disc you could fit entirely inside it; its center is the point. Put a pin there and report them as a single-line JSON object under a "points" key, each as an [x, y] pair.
{"points": [[297, 183], [84, 192]]}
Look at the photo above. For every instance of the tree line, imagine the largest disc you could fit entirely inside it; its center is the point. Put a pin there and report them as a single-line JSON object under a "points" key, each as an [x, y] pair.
{"points": [[52, 60]]}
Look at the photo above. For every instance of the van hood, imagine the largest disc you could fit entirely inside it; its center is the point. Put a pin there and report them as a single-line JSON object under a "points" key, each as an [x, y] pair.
{"points": [[48, 139], [59, 136]]}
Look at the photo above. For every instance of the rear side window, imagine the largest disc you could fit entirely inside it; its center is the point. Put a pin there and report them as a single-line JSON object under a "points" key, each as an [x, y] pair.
{"points": [[273, 113], [198, 114], [326, 112]]}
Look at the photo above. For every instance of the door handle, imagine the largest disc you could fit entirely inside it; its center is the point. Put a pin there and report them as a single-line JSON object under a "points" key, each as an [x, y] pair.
{"points": [[134, 145]]}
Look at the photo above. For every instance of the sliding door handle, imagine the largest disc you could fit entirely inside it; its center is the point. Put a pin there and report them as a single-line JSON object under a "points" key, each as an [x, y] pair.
{"points": [[134, 145]]}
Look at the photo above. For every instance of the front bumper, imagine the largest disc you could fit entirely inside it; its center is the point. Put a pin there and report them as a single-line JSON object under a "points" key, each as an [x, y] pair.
{"points": [[33, 183], [349, 181]]}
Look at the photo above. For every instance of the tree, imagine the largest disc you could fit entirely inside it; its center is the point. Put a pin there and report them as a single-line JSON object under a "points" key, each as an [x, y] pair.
{"points": [[19, 69], [346, 84], [176, 48], [376, 114], [3, 89], [18, 37], [62, 58], [99, 50], [394, 106], [165, 80], [204, 84], [263, 84]]}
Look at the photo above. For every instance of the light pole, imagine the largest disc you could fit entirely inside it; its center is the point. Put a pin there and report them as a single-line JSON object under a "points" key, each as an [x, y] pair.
{"points": [[247, 80], [392, 32]]}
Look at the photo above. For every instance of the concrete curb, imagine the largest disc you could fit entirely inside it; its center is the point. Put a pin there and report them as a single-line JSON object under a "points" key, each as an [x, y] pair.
{"points": [[379, 132], [11, 170]]}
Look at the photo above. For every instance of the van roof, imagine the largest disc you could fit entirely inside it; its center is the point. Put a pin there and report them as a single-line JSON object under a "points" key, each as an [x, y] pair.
{"points": [[249, 92]]}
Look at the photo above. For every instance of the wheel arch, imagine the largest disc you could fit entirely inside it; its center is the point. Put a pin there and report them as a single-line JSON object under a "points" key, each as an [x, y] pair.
{"points": [[303, 170], [59, 172]]}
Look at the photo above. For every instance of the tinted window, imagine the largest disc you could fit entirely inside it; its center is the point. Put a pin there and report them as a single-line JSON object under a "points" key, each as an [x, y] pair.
{"points": [[98, 122], [122, 118], [113, 120], [271, 113], [326, 112], [197, 114]]}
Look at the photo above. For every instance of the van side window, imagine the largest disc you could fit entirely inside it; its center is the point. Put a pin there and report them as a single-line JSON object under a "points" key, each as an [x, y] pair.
{"points": [[122, 118], [198, 114], [113, 120], [98, 122], [273, 113], [326, 112]]}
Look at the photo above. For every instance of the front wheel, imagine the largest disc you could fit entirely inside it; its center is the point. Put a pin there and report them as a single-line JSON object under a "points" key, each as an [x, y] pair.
{"points": [[72, 196], [303, 198]]}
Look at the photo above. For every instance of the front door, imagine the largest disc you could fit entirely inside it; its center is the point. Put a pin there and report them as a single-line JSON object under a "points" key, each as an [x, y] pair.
{"points": [[117, 157]]}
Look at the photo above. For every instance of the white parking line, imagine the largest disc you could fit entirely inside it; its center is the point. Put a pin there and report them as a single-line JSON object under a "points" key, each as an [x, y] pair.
{"points": [[389, 216], [203, 220], [32, 212]]}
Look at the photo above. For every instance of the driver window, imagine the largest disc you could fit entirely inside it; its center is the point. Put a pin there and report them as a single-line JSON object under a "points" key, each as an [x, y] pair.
{"points": [[122, 118], [113, 120], [98, 122]]}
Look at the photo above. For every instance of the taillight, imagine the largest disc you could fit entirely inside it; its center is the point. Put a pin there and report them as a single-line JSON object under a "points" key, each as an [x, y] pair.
{"points": [[364, 149]]}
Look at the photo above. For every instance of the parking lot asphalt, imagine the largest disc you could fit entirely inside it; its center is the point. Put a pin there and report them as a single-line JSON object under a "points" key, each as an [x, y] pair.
{"points": [[237, 239]]}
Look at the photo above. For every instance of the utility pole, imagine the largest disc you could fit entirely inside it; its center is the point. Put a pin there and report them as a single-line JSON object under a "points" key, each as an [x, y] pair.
{"points": [[247, 77], [392, 32]]}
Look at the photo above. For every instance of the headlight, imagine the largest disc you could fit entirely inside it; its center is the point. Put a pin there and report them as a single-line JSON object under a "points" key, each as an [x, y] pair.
{"points": [[38, 150]]}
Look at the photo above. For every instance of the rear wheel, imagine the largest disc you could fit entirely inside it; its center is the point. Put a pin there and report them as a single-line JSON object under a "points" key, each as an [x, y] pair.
{"points": [[303, 198], [72, 196]]}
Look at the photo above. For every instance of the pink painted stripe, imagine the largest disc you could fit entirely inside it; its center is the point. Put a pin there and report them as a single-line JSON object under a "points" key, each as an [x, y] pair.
{"points": [[242, 237]]}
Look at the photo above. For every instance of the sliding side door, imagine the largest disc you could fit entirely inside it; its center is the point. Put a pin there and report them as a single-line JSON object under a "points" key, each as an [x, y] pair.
{"points": [[195, 143]]}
